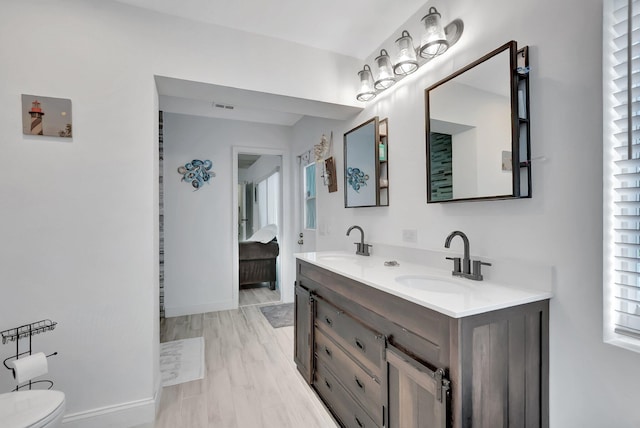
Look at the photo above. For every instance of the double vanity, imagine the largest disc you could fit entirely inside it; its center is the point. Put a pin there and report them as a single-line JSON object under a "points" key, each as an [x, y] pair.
{"points": [[404, 345], [400, 345]]}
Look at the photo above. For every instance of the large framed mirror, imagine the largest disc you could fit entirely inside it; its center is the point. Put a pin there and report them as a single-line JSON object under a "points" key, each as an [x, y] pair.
{"points": [[365, 165], [477, 130]]}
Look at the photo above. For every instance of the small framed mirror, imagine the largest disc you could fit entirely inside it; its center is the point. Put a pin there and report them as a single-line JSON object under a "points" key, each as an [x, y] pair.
{"points": [[477, 130], [366, 180]]}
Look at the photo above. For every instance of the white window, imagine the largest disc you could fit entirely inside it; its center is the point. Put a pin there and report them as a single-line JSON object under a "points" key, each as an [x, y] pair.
{"points": [[621, 168], [268, 200], [310, 196]]}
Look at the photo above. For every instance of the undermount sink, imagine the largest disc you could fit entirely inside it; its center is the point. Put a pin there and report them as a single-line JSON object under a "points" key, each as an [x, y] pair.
{"points": [[336, 257], [432, 283]]}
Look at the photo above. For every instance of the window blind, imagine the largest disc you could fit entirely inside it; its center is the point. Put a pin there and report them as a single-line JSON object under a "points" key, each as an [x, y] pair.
{"points": [[625, 118]]}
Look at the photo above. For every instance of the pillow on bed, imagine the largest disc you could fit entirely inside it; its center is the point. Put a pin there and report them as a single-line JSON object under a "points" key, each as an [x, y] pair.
{"points": [[265, 235]]}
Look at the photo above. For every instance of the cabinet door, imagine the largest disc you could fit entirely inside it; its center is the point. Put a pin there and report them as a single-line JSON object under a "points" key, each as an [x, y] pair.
{"points": [[418, 396], [303, 348]]}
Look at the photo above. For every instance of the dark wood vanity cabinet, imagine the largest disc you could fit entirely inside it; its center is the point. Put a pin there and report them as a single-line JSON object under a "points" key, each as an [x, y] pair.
{"points": [[377, 360], [418, 396], [303, 340]]}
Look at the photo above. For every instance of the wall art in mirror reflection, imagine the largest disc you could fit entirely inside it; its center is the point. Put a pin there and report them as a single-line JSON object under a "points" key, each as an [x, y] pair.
{"points": [[356, 178]]}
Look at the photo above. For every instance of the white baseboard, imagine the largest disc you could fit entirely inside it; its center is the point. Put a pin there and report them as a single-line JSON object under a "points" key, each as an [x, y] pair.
{"points": [[158, 395], [132, 414], [178, 311]]}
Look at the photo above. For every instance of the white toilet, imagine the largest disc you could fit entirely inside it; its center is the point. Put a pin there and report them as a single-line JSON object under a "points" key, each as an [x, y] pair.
{"points": [[32, 409]]}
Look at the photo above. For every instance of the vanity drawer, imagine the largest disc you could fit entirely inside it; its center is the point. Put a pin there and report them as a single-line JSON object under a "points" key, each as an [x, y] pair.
{"points": [[345, 408], [364, 387], [364, 344]]}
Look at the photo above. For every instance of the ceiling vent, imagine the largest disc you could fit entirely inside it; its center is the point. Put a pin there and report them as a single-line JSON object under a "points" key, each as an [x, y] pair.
{"points": [[222, 106]]}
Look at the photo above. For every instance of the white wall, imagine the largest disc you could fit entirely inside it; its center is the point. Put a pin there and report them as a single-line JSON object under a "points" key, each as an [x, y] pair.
{"points": [[79, 218], [198, 225], [263, 167], [242, 174], [464, 164], [307, 133], [592, 384]]}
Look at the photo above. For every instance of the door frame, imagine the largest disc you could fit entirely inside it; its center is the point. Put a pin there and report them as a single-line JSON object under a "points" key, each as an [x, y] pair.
{"points": [[299, 201], [286, 265]]}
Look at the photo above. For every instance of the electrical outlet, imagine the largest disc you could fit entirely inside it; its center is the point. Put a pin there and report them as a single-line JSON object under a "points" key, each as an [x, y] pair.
{"points": [[409, 235]]}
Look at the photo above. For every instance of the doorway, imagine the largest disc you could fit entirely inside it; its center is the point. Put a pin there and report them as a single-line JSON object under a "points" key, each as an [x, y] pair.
{"points": [[259, 226]]}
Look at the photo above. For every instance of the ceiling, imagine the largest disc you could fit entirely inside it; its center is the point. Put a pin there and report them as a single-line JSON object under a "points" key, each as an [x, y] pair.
{"points": [[204, 99], [353, 27], [350, 28], [245, 161]]}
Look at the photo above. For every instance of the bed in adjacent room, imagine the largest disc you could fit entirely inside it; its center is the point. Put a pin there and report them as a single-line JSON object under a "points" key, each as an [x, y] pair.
{"points": [[257, 257]]}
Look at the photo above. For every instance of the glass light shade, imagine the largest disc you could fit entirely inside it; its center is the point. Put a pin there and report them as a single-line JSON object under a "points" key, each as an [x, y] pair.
{"points": [[434, 41], [406, 61], [386, 78], [367, 91]]}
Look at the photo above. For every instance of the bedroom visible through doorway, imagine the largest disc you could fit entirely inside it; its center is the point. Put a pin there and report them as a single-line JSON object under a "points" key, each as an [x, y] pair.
{"points": [[259, 225]]}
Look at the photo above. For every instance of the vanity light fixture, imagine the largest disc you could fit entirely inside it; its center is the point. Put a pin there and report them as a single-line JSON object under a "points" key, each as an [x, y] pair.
{"points": [[435, 41], [406, 61], [386, 78], [367, 91]]}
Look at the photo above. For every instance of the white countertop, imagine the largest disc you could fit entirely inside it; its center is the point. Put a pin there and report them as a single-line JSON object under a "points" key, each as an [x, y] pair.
{"points": [[449, 295]]}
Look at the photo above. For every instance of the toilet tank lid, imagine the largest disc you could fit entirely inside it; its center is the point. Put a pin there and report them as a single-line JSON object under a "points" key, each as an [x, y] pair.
{"points": [[24, 408]]}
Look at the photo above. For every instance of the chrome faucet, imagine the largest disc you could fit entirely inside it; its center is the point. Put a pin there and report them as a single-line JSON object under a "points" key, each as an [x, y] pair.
{"points": [[362, 249], [463, 268]]}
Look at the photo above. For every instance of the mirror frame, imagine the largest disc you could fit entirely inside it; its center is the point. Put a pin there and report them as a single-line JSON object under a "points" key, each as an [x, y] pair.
{"points": [[516, 193], [376, 122]]}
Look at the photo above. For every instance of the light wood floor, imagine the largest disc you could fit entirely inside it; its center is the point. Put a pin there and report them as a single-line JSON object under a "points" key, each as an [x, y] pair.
{"points": [[250, 381], [258, 296]]}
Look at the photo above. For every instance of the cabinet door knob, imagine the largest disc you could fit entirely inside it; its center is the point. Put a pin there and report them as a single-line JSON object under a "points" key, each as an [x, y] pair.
{"points": [[360, 345], [327, 351], [328, 320], [360, 424], [360, 384]]}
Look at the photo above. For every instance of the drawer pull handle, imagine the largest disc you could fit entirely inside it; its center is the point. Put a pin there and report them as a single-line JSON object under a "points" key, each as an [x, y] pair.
{"points": [[360, 424], [328, 320], [360, 384], [327, 351], [360, 345], [326, 382]]}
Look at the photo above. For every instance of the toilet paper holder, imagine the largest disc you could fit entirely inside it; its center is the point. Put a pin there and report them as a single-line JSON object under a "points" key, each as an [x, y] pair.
{"points": [[27, 331]]}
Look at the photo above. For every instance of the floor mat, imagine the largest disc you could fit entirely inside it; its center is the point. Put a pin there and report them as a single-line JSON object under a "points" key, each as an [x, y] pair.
{"points": [[278, 315]]}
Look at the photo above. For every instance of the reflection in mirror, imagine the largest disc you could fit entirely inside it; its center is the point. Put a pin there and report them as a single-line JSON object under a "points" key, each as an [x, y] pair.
{"points": [[360, 162], [472, 131]]}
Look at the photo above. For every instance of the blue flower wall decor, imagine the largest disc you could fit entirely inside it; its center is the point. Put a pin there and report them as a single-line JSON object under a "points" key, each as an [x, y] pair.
{"points": [[197, 172], [356, 178]]}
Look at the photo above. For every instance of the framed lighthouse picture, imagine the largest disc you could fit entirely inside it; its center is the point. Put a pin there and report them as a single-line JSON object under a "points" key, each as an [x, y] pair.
{"points": [[46, 116]]}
